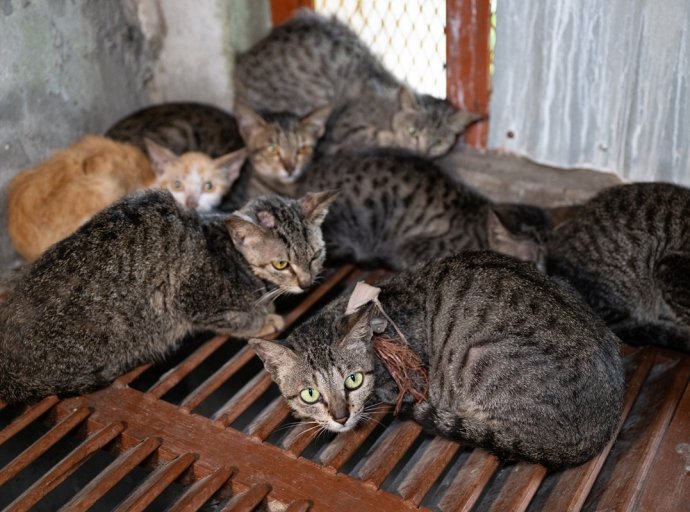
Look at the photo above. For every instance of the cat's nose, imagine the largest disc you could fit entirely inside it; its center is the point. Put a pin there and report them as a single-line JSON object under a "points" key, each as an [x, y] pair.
{"points": [[289, 168], [342, 420], [191, 202], [304, 282]]}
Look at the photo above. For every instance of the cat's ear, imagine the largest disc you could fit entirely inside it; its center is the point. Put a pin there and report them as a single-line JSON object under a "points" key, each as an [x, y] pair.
{"points": [[160, 156], [315, 205], [231, 164], [275, 356], [250, 123], [407, 99], [361, 325], [461, 119], [243, 231], [315, 122], [507, 240]]}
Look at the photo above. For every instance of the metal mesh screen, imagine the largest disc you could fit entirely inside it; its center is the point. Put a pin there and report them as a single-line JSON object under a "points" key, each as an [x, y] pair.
{"points": [[409, 36]]}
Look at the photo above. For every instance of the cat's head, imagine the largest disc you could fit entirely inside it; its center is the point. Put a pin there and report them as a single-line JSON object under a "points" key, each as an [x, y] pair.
{"points": [[281, 239], [195, 179], [280, 145], [425, 124], [325, 369]]}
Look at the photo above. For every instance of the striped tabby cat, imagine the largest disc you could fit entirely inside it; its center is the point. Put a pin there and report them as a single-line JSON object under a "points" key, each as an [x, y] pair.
{"points": [[627, 252], [311, 61], [516, 364], [129, 284], [397, 209]]}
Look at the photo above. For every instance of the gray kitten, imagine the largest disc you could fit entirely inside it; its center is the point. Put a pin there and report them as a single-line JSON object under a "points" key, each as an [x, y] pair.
{"points": [[627, 251], [516, 364], [312, 61], [397, 209], [135, 279]]}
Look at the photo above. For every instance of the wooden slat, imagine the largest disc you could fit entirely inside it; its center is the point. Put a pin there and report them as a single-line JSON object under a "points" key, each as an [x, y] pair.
{"points": [[519, 489], [282, 10], [269, 419], [245, 397], [469, 483], [633, 466], [66, 467], [248, 500], [156, 483], [110, 476], [43, 444], [388, 451], [201, 491], [339, 451], [131, 376], [299, 506], [427, 469], [468, 25], [27, 417], [668, 485], [574, 484], [171, 378]]}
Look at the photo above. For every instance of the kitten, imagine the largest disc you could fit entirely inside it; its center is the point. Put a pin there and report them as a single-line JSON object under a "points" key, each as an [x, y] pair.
{"points": [[312, 61], [180, 127], [50, 201], [135, 279], [397, 209], [627, 251], [280, 146], [516, 364]]}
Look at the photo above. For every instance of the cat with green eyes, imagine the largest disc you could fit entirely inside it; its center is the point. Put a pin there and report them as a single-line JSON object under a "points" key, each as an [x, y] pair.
{"points": [[516, 364]]}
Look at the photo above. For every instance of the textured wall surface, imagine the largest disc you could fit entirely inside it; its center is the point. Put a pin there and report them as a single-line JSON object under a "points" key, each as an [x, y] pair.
{"points": [[70, 67], [602, 85]]}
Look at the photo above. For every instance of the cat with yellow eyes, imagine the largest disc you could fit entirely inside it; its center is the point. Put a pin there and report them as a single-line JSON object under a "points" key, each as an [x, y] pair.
{"points": [[50, 201]]}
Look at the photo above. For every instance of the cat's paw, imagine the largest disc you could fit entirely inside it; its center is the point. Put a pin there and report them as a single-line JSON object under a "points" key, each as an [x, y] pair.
{"points": [[273, 324]]}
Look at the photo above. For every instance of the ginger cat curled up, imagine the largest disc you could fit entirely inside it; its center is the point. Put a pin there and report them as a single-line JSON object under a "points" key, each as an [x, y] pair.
{"points": [[50, 201]]}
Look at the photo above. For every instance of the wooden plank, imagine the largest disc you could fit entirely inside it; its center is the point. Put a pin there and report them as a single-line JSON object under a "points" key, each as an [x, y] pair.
{"points": [[202, 490], [299, 506], [292, 478], [468, 25], [156, 483], [469, 483], [245, 397], [248, 500], [519, 489], [269, 419], [108, 478], [427, 469], [388, 450], [282, 10], [632, 467], [574, 484], [43, 444], [66, 467], [27, 417]]}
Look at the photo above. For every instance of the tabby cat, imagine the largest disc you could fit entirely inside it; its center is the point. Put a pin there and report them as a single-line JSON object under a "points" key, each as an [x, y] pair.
{"points": [[279, 146], [140, 275], [627, 251], [516, 364], [50, 201], [397, 209], [312, 61]]}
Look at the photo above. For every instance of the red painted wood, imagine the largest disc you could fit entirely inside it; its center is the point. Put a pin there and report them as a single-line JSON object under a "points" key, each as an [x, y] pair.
{"points": [[281, 10]]}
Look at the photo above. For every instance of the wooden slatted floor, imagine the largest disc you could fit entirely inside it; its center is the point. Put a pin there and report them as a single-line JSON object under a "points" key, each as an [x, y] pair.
{"points": [[209, 431]]}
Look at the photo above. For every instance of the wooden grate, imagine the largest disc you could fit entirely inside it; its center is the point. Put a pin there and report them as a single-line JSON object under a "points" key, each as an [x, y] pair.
{"points": [[210, 430]]}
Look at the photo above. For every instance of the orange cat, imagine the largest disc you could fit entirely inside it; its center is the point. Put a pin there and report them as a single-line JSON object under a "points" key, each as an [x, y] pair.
{"points": [[50, 201]]}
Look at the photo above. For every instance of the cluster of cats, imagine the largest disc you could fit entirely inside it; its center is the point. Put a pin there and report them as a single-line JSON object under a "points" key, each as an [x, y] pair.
{"points": [[184, 217]]}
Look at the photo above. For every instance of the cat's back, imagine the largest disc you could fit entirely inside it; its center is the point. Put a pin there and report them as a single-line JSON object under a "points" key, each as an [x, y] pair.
{"points": [[305, 63], [181, 127]]}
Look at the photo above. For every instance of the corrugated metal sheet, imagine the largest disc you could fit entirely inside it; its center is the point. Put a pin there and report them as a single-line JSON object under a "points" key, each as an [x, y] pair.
{"points": [[602, 85]]}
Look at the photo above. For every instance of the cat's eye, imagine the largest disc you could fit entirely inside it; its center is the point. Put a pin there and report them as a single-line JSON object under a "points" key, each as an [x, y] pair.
{"points": [[303, 150], [279, 264], [310, 395], [208, 186], [412, 131], [354, 380], [272, 150], [178, 185]]}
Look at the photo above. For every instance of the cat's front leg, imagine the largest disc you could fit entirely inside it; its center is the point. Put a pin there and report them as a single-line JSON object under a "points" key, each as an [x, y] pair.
{"points": [[245, 324]]}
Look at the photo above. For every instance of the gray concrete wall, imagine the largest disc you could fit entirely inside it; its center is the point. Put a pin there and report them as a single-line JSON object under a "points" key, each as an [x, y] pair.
{"points": [[70, 67], [601, 85]]}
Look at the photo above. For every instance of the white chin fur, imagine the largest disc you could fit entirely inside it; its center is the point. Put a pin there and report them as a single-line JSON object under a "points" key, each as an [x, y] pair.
{"points": [[334, 426], [295, 289]]}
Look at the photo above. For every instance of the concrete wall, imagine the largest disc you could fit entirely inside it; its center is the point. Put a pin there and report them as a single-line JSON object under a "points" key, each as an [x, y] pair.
{"points": [[602, 85], [70, 67]]}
